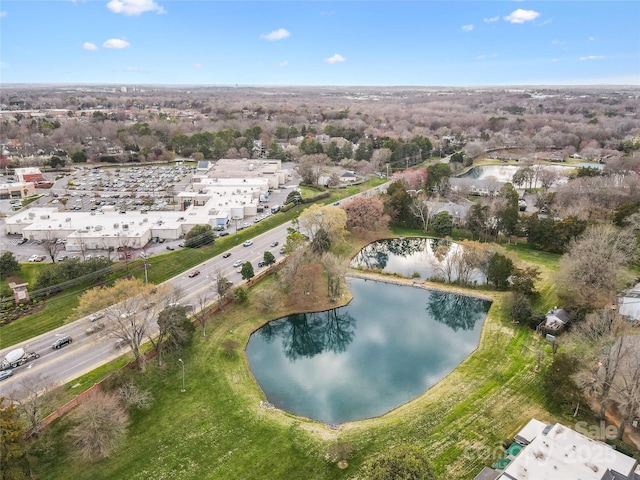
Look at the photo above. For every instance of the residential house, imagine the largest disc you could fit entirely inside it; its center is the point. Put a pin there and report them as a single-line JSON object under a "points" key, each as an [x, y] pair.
{"points": [[555, 320], [348, 177], [629, 304]]}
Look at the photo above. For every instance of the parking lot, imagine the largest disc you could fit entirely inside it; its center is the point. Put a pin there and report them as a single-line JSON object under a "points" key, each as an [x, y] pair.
{"points": [[139, 188], [126, 189]]}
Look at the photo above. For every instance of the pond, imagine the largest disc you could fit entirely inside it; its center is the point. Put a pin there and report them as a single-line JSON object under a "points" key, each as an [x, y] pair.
{"points": [[426, 258], [386, 347], [504, 173]]}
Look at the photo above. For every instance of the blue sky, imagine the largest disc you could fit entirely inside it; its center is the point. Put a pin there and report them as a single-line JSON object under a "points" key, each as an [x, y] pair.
{"points": [[424, 43]]}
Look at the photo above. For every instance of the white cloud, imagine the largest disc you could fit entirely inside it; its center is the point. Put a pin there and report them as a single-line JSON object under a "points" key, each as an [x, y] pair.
{"points": [[492, 19], [115, 43], [134, 7], [134, 69], [591, 39], [558, 42], [335, 59], [196, 65], [481, 57], [467, 28], [283, 64], [546, 22], [521, 16], [3, 14], [554, 60], [279, 34], [592, 57], [89, 46]]}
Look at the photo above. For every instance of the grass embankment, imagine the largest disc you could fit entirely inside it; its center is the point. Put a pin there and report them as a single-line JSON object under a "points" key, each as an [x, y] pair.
{"points": [[217, 429]]}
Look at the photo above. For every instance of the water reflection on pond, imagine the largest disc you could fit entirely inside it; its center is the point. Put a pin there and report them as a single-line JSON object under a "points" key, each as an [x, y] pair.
{"points": [[504, 173], [424, 257], [388, 346]]}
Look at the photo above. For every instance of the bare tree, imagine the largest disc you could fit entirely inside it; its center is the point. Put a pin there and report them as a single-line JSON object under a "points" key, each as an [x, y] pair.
{"points": [[601, 336], [265, 301], [547, 177], [446, 261], [51, 246], [131, 395], [101, 426], [334, 269], [593, 268], [289, 273], [223, 287], [424, 209], [627, 388], [130, 308], [33, 398], [201, 311]]}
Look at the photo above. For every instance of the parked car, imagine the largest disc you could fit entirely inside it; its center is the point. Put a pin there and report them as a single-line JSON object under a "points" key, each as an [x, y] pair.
{"points": [[226, 255], [96, 316], [261, 264], [169, 247], [62, 342], [522, 204], [195, 273], [248, 243], [223, 234], [23, 241], [282, 250]]}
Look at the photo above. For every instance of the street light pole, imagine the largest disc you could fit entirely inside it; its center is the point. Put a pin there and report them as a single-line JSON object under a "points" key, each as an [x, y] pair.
{"points": [[235, 219], [183, 389]]}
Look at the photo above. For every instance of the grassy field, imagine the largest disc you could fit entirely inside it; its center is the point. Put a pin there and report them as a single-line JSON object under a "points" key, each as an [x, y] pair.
{"points": [[218, 430]]}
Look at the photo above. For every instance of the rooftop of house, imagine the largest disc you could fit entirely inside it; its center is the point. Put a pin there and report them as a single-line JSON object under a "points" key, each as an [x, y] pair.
{"points": [[563, 453]]}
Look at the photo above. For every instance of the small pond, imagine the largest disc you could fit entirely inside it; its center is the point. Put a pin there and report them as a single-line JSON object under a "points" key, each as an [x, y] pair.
{"points": [[423, 258], [386, 347], [504, 173]]}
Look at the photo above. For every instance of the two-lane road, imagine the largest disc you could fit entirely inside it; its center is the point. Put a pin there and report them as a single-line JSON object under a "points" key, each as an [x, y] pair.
{"points": [[88, 352]]}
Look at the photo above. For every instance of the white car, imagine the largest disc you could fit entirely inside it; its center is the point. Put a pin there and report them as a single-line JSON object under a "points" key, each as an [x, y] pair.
{"points": [[248, 243], [237, 263], [96, 316], [34, 258]]}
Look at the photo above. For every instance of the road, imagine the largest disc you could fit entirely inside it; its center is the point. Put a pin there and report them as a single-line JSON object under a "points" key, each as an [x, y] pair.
{"points": [[88, 352]]}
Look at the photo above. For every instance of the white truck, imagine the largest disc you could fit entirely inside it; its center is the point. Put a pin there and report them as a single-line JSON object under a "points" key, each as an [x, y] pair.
{"points": [[17, 357]]}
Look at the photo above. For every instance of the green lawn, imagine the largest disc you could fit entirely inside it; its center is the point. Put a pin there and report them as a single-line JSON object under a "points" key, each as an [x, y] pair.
{"points": [[218, 430]]}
